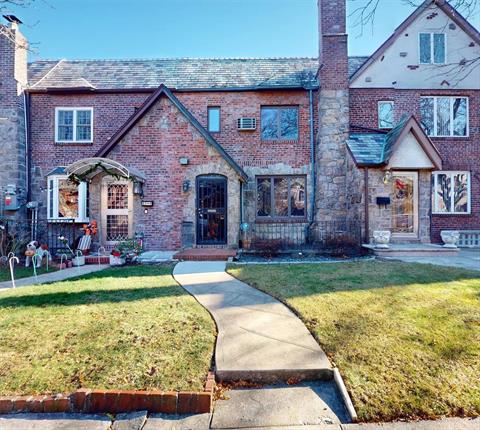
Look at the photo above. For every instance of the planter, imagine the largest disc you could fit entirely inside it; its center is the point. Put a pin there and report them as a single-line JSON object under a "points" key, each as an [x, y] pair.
{"points": [[450, 238], [381, 239], [79, 261], [116, 261]]}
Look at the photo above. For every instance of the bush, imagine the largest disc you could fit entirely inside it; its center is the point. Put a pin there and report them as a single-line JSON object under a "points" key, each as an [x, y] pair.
{"points": [[343, 246], [267, 248]]}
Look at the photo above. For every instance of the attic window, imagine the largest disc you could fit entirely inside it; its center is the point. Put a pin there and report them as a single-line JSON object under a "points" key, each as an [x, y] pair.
{"points": [[432, 48]]}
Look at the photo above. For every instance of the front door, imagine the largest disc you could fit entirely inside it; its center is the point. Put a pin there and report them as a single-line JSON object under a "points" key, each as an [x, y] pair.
{"points": [[405, 204], [211, 210]]}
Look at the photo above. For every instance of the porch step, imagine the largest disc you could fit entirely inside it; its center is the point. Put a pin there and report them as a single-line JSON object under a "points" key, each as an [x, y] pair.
{"points": [[205, 254], [413, 250]]}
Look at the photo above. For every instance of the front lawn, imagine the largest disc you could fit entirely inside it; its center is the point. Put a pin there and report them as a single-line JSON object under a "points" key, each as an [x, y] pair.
{"points": [[23, 272], [122, 328], [406, 337]]}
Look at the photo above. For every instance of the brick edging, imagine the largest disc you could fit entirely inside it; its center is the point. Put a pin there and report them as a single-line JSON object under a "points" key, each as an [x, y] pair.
{"points": [[115, 401]]}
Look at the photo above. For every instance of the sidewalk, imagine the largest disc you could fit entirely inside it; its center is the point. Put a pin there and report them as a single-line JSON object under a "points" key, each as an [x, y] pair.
{"points": [[59, 275]]}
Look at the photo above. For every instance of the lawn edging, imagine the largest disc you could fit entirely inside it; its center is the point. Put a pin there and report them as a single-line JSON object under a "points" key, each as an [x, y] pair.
{"points": [[115, 401], [345, 396]]}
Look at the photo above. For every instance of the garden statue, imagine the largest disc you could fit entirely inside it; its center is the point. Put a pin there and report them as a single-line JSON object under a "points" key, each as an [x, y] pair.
{"points": [[33, 248]]}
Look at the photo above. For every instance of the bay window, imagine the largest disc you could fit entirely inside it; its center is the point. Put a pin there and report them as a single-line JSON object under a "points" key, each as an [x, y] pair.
{"points": [[73, 125], [281, 197], [66, 200], [451, 193], [444, 116]]}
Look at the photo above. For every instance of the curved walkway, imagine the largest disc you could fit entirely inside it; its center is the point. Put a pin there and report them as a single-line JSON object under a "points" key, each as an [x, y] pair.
{"points": [[259, 338]]}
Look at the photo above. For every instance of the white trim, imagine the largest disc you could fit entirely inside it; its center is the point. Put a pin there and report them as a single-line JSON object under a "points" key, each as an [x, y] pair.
{"points": [[432, 49], [452, 174], [452, 131], [74, 110], [378, 114], [53, 205]]}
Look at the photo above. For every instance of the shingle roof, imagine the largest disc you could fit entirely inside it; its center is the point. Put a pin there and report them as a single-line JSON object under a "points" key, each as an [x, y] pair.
{"points": [[179, 73], [367, 148]]}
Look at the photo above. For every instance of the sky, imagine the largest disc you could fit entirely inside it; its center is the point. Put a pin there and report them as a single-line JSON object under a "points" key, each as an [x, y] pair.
{"points": [[90, 29]]}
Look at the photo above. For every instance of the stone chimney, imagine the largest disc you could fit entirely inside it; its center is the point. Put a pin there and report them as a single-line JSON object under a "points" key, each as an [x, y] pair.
{"points": [[13, 81], [333, 110]]}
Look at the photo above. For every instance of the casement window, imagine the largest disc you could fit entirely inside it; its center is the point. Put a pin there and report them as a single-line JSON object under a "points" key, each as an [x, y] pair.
{"points": [[385, 114], [281, 197], [451, 193], [279, 123], [432, 48], [74, 125], [214, 119], [444, 116], [66, 200]]}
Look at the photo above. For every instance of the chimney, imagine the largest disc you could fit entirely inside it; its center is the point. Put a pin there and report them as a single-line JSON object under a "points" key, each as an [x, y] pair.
{"points": [[333, 112]]}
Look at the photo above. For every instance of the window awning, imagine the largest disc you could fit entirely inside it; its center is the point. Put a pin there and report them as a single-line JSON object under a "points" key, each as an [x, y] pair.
{"points": [[88, 168]]}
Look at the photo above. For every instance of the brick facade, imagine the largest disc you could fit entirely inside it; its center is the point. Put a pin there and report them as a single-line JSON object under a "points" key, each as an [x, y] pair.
{"points": [[461, 153]]}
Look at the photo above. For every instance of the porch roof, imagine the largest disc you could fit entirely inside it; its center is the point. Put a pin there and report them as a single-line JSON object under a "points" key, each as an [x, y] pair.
{"points": [[87, 168]]}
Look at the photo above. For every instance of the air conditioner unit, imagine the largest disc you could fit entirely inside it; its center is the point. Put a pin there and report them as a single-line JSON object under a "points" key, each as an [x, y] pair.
{"points": [[247, 123]]}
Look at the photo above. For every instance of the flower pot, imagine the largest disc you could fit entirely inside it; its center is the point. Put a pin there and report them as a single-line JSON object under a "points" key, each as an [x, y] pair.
{"points": [[381, 239], [450, 238], [116, 261], [79, 261]]}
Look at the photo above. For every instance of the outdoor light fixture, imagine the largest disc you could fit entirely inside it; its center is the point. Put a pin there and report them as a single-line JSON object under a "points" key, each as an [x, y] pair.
{"points": [[183, 161], [387, 177], [138, 188], [186, 186]]}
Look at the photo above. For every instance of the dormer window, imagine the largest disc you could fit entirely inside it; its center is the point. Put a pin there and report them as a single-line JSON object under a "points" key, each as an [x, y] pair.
{"points": [[432, 48]]}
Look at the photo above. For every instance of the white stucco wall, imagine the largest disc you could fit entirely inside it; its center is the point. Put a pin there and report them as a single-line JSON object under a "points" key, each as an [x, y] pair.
{"points": [[395, 68], [410, 155]]}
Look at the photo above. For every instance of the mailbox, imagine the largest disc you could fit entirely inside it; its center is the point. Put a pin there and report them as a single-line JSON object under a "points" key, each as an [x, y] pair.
{"points": [[383, 201]]}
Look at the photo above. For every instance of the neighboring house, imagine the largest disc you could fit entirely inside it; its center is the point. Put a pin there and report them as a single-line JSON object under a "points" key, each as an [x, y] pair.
{"points": [[183, 151]]}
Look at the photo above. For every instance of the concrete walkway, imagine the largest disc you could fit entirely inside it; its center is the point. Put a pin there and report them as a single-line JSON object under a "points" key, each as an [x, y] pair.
{"points": [[59, 275], [259, 338]]}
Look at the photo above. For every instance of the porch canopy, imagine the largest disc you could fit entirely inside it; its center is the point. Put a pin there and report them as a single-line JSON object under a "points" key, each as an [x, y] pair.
{"points": [[88, 168]]}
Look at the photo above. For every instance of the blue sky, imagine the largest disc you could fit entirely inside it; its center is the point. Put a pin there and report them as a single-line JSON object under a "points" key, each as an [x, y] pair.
{"points": [[191, 28]]}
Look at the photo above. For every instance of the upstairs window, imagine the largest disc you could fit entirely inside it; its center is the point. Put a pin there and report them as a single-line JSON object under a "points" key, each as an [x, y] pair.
{"points": [[73, 125], [281, 197], [214, 119], [385, 114], [451, 193], [444, 116], [432, 48], [66, 200], [279, 123]]}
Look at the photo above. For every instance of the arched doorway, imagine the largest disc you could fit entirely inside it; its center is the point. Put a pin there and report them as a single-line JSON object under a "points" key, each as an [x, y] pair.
{"points": [[211, 209]]}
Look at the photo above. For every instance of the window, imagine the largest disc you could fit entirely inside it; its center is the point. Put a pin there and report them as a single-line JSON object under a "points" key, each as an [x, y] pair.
{"points": [[66, 199], [432, 48], [385, 114], [451, 193], [279, 123], [73, 125], [281, 197], [214, 119], [444, 116]]}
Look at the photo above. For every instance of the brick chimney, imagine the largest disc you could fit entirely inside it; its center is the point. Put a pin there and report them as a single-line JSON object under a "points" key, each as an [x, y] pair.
{"points": [[333, 110], [13, 81]]}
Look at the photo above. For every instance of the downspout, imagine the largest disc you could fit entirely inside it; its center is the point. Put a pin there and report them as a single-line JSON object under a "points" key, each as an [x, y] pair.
{"points": [[312, 158], [367, 218], [26, 118]]}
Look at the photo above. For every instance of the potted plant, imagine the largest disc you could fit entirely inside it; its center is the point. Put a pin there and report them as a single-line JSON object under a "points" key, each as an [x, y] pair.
{"points": [[116, 258]]}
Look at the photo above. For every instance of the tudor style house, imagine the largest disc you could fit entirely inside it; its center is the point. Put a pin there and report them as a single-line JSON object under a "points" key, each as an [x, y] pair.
{"points": [[188, 152]]}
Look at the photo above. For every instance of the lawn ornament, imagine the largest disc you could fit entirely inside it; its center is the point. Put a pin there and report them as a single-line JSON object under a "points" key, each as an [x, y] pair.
{"points": [[33, 249]]}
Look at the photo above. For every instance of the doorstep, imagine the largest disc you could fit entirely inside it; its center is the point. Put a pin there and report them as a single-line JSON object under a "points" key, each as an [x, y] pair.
{"points": [[412, 250], [205, 254]]}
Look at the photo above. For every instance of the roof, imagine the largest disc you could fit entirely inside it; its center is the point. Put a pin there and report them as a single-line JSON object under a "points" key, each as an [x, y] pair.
{"points": [[179, 73], [130, 123], [376, 149], [448, 9]]}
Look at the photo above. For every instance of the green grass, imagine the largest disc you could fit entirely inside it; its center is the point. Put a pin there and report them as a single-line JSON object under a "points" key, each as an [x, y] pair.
{"points": [[406, 337], [23, 272], [121, 328]]}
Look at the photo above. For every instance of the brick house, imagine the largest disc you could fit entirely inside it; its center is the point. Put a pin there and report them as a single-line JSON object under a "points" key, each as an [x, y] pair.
{"points": [[186, 151]]}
